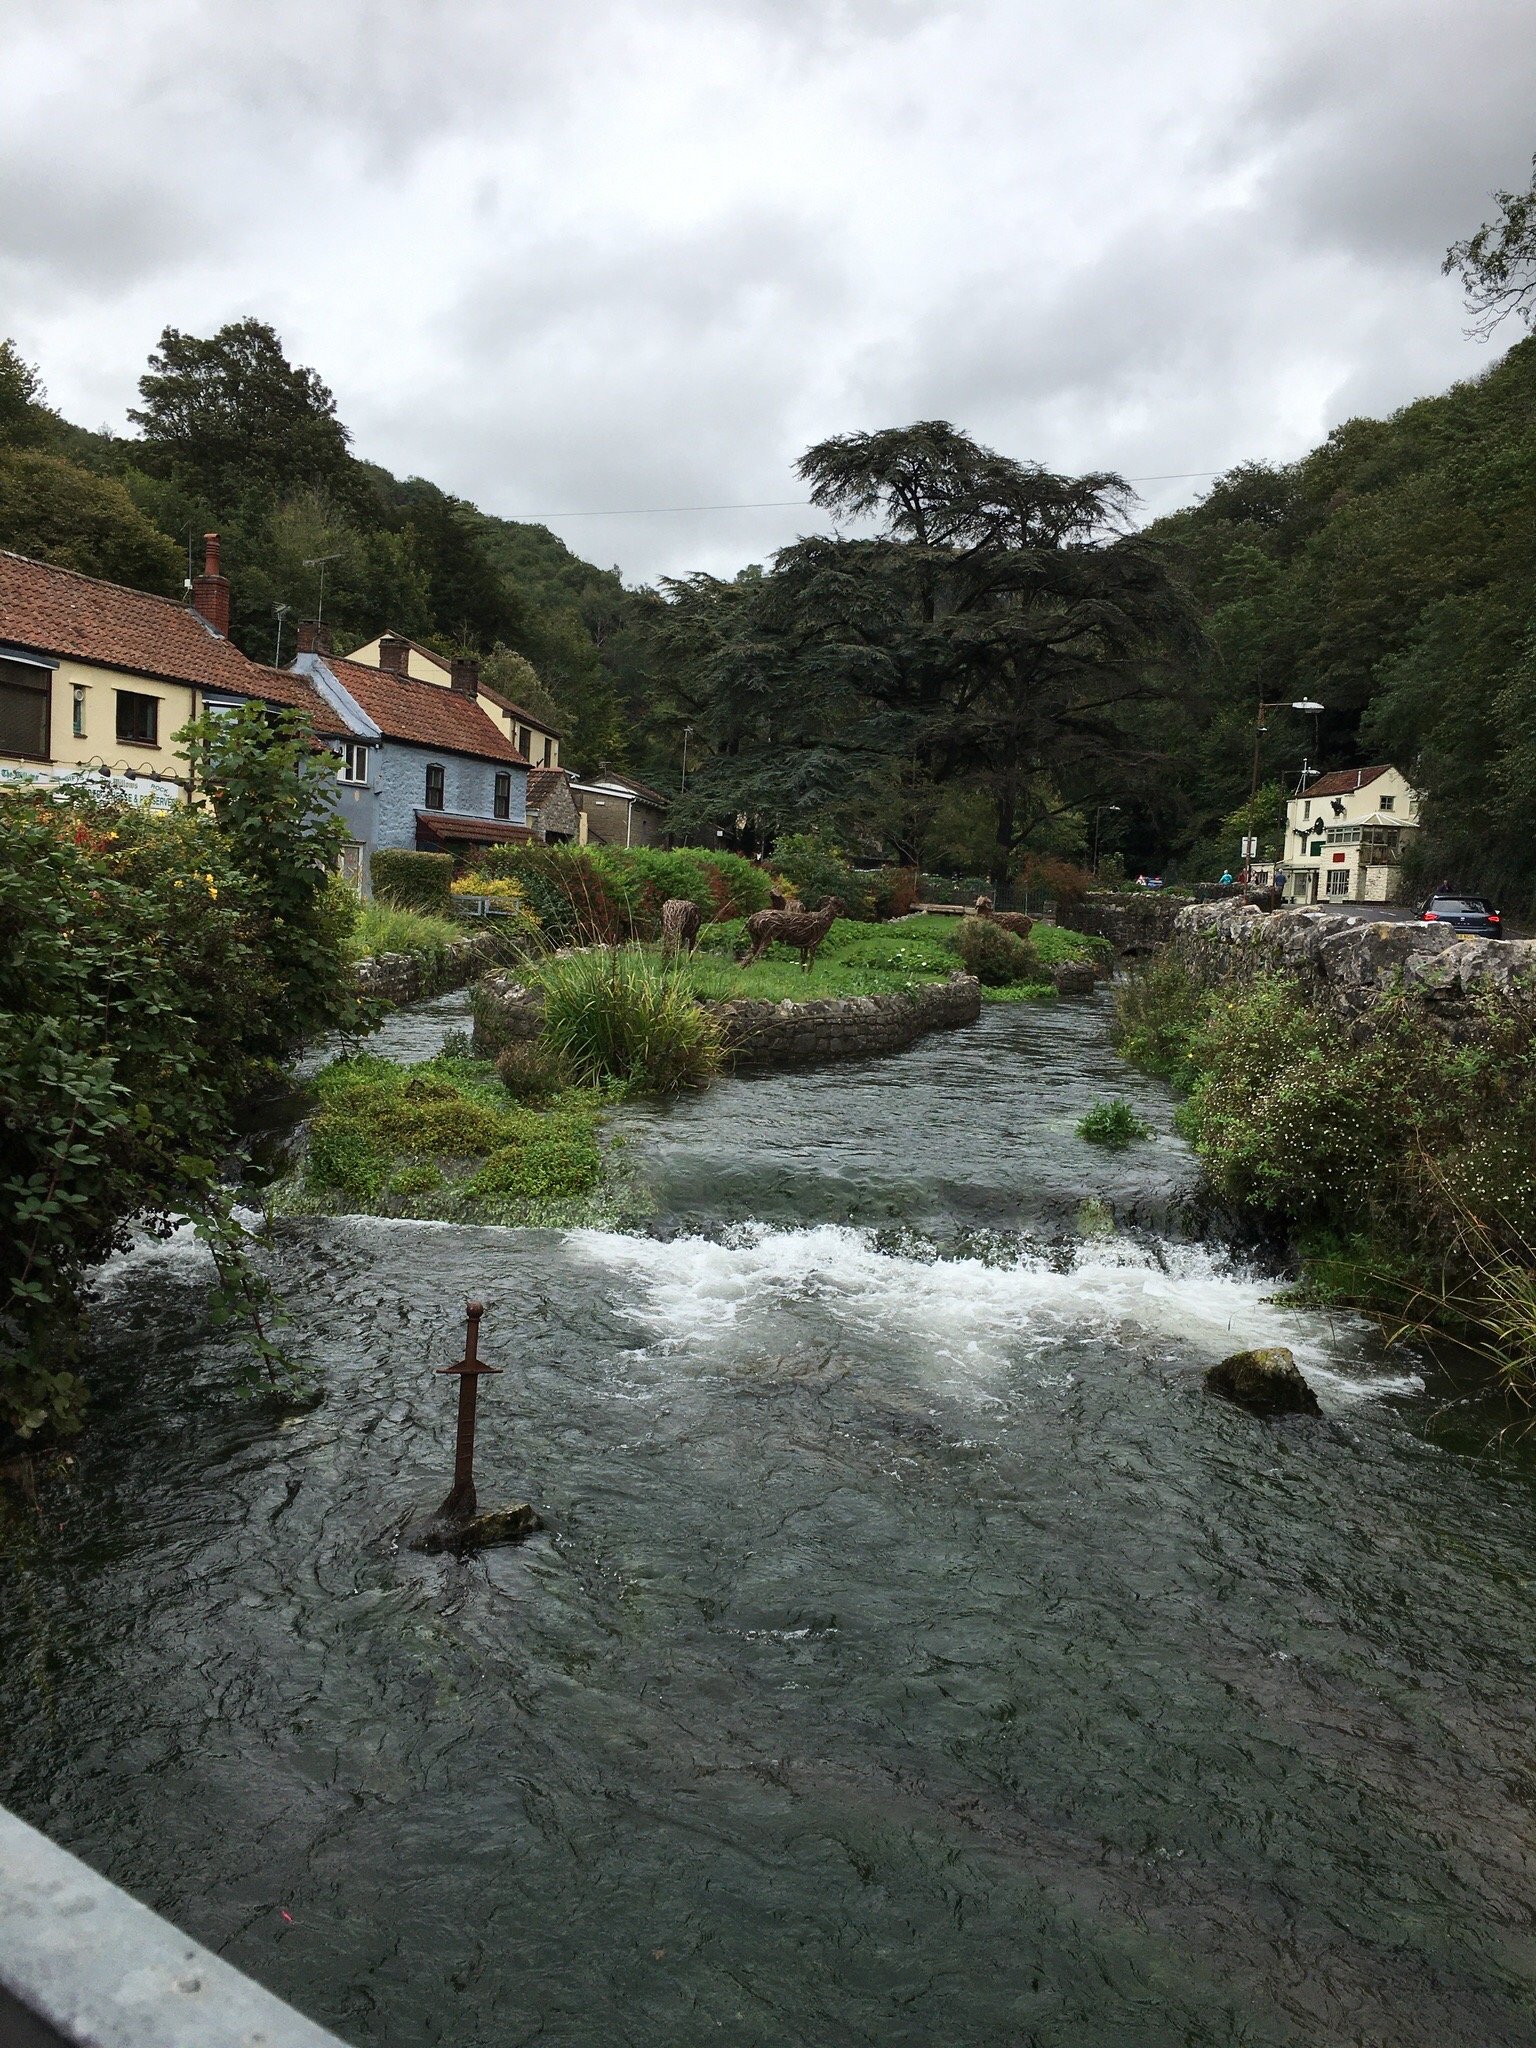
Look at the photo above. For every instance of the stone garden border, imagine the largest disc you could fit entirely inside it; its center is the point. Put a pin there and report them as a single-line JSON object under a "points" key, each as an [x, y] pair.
{"points": [[762, 1035]]}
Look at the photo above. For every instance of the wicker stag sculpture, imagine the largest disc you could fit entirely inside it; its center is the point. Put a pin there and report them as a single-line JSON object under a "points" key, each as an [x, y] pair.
{"points": [[1006, 920], [803, 928], [679, 925]]}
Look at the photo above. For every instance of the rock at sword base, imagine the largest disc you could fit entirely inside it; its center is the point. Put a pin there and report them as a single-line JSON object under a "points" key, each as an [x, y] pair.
{"points": [[496, 1525], [1268, 1381]]}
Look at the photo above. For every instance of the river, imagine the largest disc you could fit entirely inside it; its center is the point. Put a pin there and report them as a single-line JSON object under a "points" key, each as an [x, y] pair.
{"points": [[915, 1652]]}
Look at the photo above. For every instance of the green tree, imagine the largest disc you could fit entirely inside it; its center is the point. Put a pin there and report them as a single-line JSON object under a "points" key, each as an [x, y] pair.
{"points": [[1497, 265], [994, 632], [273, 797], [22, 399], [233, 416], [56, 511]]}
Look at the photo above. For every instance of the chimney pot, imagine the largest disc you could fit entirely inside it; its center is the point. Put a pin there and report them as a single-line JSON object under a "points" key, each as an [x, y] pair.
{"points": [[314, 638], [464, 676], [394, 655], [210, 591]]}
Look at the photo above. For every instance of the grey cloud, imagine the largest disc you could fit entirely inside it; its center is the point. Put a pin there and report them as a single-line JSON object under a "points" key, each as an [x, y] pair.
{"points": [[621, 256]]}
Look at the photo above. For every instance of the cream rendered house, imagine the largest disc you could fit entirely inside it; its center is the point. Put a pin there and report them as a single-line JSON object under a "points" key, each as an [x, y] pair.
{"points": [[97, 679], [1345, 834], [537, 742]]}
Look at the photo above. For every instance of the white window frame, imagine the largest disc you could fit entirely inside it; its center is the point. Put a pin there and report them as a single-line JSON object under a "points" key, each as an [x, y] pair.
{"points": [[1341, 876], [354, 762]]}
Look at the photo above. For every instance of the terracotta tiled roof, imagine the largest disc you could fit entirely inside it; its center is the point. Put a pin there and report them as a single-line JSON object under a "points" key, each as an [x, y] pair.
{"points": [[517, 711], [281, 686], [481, 831], [1342, 781], [81, 618], [542, 784], [58, 611], [424, 714]]}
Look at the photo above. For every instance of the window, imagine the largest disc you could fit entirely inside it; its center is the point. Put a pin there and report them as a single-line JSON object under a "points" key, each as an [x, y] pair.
{"points": [[138, 719], [1343, 835], [354, 762], [77, 719], [1306, 809], [25, 688], [1338, 881], [502, 806], [1317, 847], [525, 741], [1389, 803], [434, 788]]}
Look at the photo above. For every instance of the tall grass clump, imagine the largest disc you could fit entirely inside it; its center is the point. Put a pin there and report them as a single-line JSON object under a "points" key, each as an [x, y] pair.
{"points": [[618, 1014], [381, 927]]}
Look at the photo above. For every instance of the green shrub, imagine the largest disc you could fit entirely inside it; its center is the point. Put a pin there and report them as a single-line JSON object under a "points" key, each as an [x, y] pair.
{"points": [[422, 1179], [554, 1162], [618, 1014], [996, 957], [413, 881], [532, 1071], [345, 1159], [1156, 1014], [1114, 1124]]}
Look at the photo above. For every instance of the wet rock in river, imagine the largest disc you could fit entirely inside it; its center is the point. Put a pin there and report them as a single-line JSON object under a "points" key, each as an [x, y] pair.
{"points": [[1267, 1382], [1074, 977], [478, 1532]]}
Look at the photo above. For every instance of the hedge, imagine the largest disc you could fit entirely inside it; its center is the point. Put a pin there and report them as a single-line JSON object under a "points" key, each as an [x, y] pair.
{"points": [[414, 881], [609, 894]]}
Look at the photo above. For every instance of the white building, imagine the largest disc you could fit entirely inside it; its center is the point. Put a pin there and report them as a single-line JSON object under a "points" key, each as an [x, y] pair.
{"points": [[1345, 834]]}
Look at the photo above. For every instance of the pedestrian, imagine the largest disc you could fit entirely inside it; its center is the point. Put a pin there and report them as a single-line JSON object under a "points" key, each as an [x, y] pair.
{"points": [[1141, 881], [1226, 878]]}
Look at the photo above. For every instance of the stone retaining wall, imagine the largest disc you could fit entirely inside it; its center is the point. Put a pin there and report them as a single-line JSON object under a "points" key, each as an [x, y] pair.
{"points": [[762, 1034], [759, 1034], [409, 977], [1350, 959]]}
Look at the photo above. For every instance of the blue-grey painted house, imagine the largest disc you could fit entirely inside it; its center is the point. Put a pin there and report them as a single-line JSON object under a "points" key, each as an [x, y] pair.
{"points": [[426, 768]]}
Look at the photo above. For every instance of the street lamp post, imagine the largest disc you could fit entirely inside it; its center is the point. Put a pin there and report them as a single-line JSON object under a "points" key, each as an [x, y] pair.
{"points": [[1304, 704], [1099, 811], [1279, 704]]}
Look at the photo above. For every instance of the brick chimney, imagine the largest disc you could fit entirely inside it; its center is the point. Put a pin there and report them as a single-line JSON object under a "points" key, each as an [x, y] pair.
{"points": [[314, 638], [464, 676], [395, 655], [210, 591]]}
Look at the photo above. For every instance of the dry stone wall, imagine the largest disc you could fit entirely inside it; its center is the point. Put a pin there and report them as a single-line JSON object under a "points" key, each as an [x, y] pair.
{"points": [[1133, 924], [1349, 960], [788, 1034], [409, 977]]}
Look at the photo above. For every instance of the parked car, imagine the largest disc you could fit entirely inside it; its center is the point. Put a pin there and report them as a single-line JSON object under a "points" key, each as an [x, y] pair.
{"points": [[1474, 915]]}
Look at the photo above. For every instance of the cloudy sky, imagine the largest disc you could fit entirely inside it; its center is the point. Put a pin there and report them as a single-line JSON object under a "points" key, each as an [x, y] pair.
{"points": [[607, 256]]}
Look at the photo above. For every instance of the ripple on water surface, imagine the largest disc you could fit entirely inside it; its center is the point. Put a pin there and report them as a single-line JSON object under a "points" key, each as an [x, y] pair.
{"points": [[914, 1653]]}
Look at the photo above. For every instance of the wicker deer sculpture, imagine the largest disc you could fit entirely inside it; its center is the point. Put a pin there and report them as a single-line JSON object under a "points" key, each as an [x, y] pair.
{"points": [[803, 928], [1006, 920], [679, 926]]}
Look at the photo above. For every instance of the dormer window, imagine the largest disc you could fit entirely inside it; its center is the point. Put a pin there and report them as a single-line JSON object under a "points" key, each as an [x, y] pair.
{"points": [[434, 787]]}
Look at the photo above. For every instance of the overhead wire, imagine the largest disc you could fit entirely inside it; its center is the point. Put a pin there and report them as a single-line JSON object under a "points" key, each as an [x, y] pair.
{"points": [[785, 504]]}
